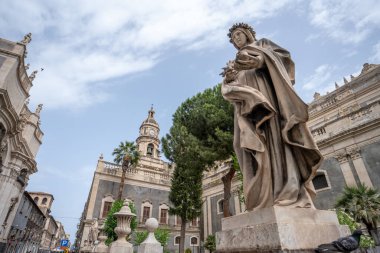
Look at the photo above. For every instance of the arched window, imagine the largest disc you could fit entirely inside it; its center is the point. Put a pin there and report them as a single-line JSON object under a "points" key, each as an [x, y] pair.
{"points": [[194, 241], [106, 205], [146, 211], [320, 181], [150, 149], [220, 206], [36, 199], [44, 200], [164, 214], [177, 240]]}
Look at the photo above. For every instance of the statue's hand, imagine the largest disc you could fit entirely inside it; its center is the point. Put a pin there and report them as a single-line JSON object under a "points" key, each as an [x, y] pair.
{"points": [[245, 60], [229, 73]]}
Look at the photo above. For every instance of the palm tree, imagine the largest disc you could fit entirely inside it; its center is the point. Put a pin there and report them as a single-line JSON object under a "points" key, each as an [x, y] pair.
{"points": [[363, 204], [127, 154]]}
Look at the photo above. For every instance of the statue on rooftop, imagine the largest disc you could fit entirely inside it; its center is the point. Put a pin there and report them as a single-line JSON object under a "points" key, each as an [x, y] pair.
{"points": [[275, 149]]}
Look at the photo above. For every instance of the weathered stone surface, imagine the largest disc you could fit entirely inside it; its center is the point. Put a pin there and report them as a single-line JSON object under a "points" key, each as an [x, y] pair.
{"points": [[121, 247], [279, 229], [151, 245]]}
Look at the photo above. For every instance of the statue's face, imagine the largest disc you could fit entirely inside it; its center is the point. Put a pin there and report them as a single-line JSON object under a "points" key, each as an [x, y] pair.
{"points": [[239, 38]]}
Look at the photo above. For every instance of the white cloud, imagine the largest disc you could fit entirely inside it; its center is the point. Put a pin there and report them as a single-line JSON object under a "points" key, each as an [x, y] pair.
{"points": [[375, 58], [349, 21], [319, 79], [83, 43]]}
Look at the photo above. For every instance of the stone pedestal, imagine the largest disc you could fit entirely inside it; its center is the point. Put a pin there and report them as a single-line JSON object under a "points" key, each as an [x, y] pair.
{"points": [[279, 229], [151, 245], [124, 218]]}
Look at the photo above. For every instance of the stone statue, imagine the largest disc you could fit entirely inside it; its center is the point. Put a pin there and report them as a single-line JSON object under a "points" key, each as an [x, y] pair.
{"points": [[275, 149], [38, 109], [33, 75], [27, 39]]}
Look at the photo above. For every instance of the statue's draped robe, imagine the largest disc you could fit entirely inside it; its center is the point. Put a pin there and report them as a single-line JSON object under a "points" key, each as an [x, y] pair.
{"points": [[275, 149]]}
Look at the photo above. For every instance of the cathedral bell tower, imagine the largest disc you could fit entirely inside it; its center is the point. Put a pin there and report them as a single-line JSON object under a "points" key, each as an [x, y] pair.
{"points": [[148, 142]]}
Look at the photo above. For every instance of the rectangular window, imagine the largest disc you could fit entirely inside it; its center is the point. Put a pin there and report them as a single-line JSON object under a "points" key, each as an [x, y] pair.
{"points": [[106, 208], [194, 222], [146, 213], [163, 216], [178, 221]]}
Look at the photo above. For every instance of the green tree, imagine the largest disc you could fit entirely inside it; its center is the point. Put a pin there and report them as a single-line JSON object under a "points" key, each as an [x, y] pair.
{"points": [[363, 205], [205, 123], [161, 235], [110, 222], [125, 154], [185, 196], [345, 219], [210, 243]]}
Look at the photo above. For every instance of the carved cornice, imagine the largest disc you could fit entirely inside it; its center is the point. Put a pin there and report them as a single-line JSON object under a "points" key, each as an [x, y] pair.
{"points": [[348, 133], [345, 93]]}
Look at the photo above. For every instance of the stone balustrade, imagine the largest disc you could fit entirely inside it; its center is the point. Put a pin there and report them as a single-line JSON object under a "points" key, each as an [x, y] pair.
{"points": [[143, 173]]}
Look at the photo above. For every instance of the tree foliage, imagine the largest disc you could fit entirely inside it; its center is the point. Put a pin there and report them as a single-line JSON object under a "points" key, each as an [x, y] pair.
{"points": [[201, 134], [210, 243], [206, 119], [161, 234], [110, 222], [363, 205], [345, 219], [126, 148]]}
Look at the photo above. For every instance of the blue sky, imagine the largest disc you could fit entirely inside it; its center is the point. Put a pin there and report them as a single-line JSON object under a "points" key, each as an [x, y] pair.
{"points": [[106, 63]]}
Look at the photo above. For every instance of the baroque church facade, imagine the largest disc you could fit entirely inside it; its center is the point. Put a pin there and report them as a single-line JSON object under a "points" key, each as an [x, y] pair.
{"points": [[20, 133], [147, 185]]}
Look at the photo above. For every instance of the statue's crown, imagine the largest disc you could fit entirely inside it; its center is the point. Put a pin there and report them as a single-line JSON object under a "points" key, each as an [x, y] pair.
{"points": [[244, 26]]}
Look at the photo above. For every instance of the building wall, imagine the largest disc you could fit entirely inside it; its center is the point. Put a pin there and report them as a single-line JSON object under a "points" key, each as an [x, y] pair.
{"points": [[20, 135], [27, 227]]}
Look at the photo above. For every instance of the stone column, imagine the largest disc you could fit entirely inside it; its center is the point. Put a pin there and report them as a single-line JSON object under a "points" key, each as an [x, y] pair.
{"points": [[151, 245], [124, 218], [346, 169], [359, 166]]}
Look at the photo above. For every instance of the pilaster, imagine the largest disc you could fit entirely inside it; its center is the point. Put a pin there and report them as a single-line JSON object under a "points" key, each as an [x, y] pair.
{"points": [[359, 166], [349, 178]]}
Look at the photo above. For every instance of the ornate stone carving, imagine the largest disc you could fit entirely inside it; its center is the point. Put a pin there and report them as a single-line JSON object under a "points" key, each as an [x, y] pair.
{"points": [[33, 75], [38, 109], [367, 67], [258, 108], [354, 152], [23, 120], [341, 157], [27, 66], [27, 39]]}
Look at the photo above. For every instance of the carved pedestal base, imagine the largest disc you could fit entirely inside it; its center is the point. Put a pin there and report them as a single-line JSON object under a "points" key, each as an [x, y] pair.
{"points": [[278, 229], [121, 246]]}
